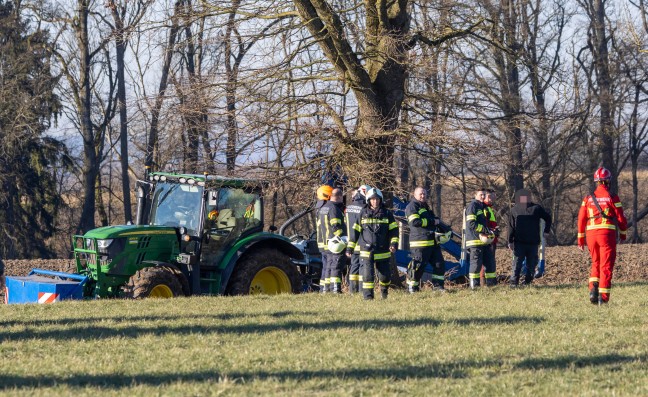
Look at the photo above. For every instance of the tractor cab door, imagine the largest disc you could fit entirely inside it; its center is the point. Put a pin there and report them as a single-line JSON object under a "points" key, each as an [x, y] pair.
{"points": [[237, 212]]}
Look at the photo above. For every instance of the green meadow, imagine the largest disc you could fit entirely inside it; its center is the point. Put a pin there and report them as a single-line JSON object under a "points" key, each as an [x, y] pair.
{"points": [[547, 341]]}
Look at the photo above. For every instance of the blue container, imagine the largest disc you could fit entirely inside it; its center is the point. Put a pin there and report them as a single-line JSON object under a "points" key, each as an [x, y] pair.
{"points": [[37, 289]]}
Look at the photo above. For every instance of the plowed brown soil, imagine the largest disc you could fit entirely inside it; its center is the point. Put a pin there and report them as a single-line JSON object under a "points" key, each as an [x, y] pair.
{"points": [[564, 265]]}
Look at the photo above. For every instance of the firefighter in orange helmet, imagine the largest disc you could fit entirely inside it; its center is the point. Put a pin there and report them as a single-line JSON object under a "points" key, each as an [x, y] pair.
{"points": [[600, 217], [323, 196]]}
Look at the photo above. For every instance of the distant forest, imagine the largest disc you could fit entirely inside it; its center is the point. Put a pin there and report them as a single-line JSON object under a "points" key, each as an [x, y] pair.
{"points": [[448, 95]]}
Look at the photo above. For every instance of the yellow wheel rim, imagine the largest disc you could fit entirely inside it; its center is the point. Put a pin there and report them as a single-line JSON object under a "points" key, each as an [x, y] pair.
{"points": [[270, 281], [161, 291]]}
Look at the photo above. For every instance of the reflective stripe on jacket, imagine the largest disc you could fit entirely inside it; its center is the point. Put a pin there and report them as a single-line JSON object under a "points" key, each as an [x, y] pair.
{"points": [[476, 223], [375, 231], [420, 219], [590, 218], [330, 223]]}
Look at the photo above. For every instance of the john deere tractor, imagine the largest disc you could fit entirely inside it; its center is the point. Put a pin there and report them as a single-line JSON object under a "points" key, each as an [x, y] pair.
{"points": [[194, 234]]}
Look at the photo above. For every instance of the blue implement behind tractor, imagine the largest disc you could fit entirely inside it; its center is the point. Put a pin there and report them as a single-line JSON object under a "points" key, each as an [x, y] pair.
{"points": [[453, 269]]}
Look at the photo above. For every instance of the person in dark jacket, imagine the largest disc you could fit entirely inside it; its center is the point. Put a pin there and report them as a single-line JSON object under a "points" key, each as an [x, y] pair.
{"points": [[478, 238], [524, 235], [331, 223], [423, 224], [352, 215], [377, 235]]}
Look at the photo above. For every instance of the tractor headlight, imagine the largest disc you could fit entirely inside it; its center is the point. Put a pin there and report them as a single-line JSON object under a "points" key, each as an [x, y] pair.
{"points": [[102, 245]]}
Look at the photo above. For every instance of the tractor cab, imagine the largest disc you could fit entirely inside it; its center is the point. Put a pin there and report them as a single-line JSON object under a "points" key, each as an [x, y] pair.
{"points": [[194, 234]]}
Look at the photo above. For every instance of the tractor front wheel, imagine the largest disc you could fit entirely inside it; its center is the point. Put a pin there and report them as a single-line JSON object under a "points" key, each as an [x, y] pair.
{"points": [[264, 272], [154, 282]]}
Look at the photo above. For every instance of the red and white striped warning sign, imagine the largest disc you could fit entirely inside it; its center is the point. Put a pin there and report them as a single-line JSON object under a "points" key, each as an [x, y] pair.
{"points": [[47, 297]]}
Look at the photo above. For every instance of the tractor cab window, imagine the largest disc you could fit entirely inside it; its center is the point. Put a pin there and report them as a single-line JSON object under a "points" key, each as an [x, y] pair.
{"points": [[177, 205], [236, 212]]}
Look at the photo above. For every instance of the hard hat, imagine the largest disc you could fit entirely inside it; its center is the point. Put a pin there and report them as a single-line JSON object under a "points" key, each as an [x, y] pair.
{"points": [[324, 192], [487, 238], [373, 192], [213, 215], [602, 174], [443, 238], [337, 244], [363, 189]]}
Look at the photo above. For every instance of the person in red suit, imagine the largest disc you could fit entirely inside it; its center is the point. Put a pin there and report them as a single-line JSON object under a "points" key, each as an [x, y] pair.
{"points": [[600, 218]]}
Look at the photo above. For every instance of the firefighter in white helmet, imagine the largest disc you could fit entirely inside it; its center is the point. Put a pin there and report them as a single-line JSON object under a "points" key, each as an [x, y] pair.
{"points": [[376, 233], [352, 215]]}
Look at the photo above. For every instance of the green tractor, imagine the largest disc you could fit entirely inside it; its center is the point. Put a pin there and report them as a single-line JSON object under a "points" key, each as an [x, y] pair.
{"points": [[194, 234]]}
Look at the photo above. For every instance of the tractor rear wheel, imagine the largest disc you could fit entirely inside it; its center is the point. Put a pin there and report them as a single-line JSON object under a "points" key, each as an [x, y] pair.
{"points": [[264, 272], [153, 282]]}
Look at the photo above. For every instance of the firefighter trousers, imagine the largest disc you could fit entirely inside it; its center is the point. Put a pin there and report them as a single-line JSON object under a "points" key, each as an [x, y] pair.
{"points": [[602, 247], [368, 268], [324, 278], [524, 252], [481, 256], [335, 267], [354, 273], [420, 258]]}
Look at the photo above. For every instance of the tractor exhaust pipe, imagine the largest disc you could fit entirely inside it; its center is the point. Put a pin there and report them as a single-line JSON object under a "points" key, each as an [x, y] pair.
{"points": [[141, 204], [293, 218]]}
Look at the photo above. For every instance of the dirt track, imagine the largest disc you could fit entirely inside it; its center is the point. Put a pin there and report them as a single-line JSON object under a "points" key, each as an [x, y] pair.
{"points": [[564, 265]]}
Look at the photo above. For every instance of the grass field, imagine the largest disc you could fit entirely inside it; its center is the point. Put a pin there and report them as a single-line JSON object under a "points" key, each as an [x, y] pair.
{"points": [[538, 341]]}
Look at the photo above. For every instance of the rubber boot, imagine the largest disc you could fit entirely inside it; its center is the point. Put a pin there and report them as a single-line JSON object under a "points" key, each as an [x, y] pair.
{"points": [[384, 292], [336, 288], [438, 286], [368, 293], [474, 283], [353, 287], [594, 293], [412, 289]]}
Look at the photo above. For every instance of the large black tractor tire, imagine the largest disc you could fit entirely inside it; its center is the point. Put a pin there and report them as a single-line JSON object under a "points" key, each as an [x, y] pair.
{"points": [[266, 272], [153, 282]]}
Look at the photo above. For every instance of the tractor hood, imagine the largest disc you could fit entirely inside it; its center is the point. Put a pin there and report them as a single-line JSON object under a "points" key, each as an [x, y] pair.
{"points": [[111, 232]]}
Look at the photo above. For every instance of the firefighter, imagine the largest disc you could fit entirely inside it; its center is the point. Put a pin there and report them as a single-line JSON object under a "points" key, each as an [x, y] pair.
{"points": [[352, 215], [323, 196], [491, 222], [600, 218], [524, 235], [376, 232], [332, 224], [478, 240], [424, 249]]}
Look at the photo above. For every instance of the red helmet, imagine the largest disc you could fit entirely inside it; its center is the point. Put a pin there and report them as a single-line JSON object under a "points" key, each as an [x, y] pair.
{"points": [[602, 174]]}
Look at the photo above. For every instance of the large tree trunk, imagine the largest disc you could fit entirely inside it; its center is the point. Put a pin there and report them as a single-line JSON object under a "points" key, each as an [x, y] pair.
{"points": [[90, 159], [378, 84]]}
